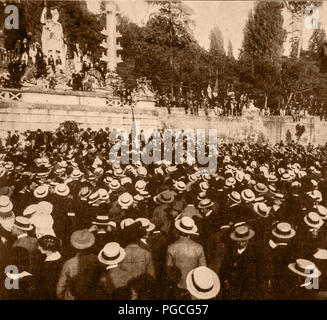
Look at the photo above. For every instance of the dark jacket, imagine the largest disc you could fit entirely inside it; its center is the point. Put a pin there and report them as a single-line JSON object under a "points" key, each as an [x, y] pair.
{"points": [[78, 277], [238, 275]]}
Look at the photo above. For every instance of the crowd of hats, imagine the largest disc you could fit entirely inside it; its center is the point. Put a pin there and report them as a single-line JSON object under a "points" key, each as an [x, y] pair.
{"points": [[263, 177]]}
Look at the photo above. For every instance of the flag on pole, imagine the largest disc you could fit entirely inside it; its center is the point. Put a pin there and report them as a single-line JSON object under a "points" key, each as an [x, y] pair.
{"points": [[209, 91], [215, 89]]}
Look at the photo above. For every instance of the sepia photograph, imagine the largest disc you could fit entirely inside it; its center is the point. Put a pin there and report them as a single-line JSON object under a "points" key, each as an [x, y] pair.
{"points": [[167, 151]]}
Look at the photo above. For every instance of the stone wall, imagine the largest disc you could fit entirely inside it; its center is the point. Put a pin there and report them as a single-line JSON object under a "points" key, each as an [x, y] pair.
{"points": [[33, 110]]}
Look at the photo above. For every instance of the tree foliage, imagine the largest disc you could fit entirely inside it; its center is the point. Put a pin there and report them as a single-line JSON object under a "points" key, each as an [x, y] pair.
{"points": [[79, 25]]}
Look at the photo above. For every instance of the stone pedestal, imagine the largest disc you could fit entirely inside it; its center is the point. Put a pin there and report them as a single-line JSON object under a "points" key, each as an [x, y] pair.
{"points": [[145, 102]]}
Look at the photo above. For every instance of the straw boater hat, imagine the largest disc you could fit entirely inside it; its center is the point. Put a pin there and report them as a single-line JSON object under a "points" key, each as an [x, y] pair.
{"points": [[138, 197], [63, 164], [94, 197], [145, 194], [59, 171], [203, 283], [316, 195], [180, 186], [142, 172], [82, 239], [260, 188], [186, 225], [234, 196], [239, 176], [119, 173], [6, 205], [286, 177], [159, 171], [103, 193], [305, 268], [261, 209], [140, 185], [313, 219], [76, 174], [272, 178], [204, 186], [98, 172], [192, 177], [125, 200], [126, 222], [111, 254], [248, 195], [205, 203], [62, 189], [41, 191], [107, 180], [85, 193], [322, 211], [242, 233], [125, 180], [230, 182], [114, 185], [283, 230], [146, 224], [101, 220], [164, 197], [22, 223]]}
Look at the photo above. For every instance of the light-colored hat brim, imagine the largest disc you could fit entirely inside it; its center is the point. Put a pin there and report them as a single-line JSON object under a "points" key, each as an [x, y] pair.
{"points": [[206, 206], [248, 237], [313, 225], [6, 209], [178, 226], [24, 229], [247, 199], [291, 266], [282, 236], [158, 200], [62, 193], [234, 200], [40, 196], [84, 246], [203, 295], [121, 257]]}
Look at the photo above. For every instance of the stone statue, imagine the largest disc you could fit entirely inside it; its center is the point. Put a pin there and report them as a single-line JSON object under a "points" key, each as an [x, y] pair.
{"points": [[144, 87], [52, 36]]}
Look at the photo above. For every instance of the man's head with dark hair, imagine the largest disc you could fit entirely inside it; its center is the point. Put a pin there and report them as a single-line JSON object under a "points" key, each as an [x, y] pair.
{"points": [[49, 243]]}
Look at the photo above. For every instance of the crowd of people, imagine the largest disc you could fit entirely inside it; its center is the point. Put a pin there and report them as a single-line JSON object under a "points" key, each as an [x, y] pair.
{"points": [[236, 104], [32, 68], [73, 225]]}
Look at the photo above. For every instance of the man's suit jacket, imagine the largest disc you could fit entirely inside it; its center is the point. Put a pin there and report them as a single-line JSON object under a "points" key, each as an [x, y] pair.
{"points": [[137, 261], [185, 254]]}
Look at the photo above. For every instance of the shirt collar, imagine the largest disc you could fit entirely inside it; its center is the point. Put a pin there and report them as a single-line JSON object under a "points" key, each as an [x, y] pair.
{"points": [[240, 251], [23, 235], [53, 256], [144, 241], [208, 213], [112, 266]]}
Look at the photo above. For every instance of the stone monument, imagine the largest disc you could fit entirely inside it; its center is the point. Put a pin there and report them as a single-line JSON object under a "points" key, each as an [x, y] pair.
{"points": [[52, 36]]}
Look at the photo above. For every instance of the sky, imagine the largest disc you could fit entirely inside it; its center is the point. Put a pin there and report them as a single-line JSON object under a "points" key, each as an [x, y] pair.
{"points": [[229, 16]]}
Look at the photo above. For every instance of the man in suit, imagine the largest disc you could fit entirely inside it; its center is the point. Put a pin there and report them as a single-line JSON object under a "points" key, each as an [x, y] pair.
{"points": [[238, 272], [185, 253], [21, 229], [138, 259], [79, 274]]}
